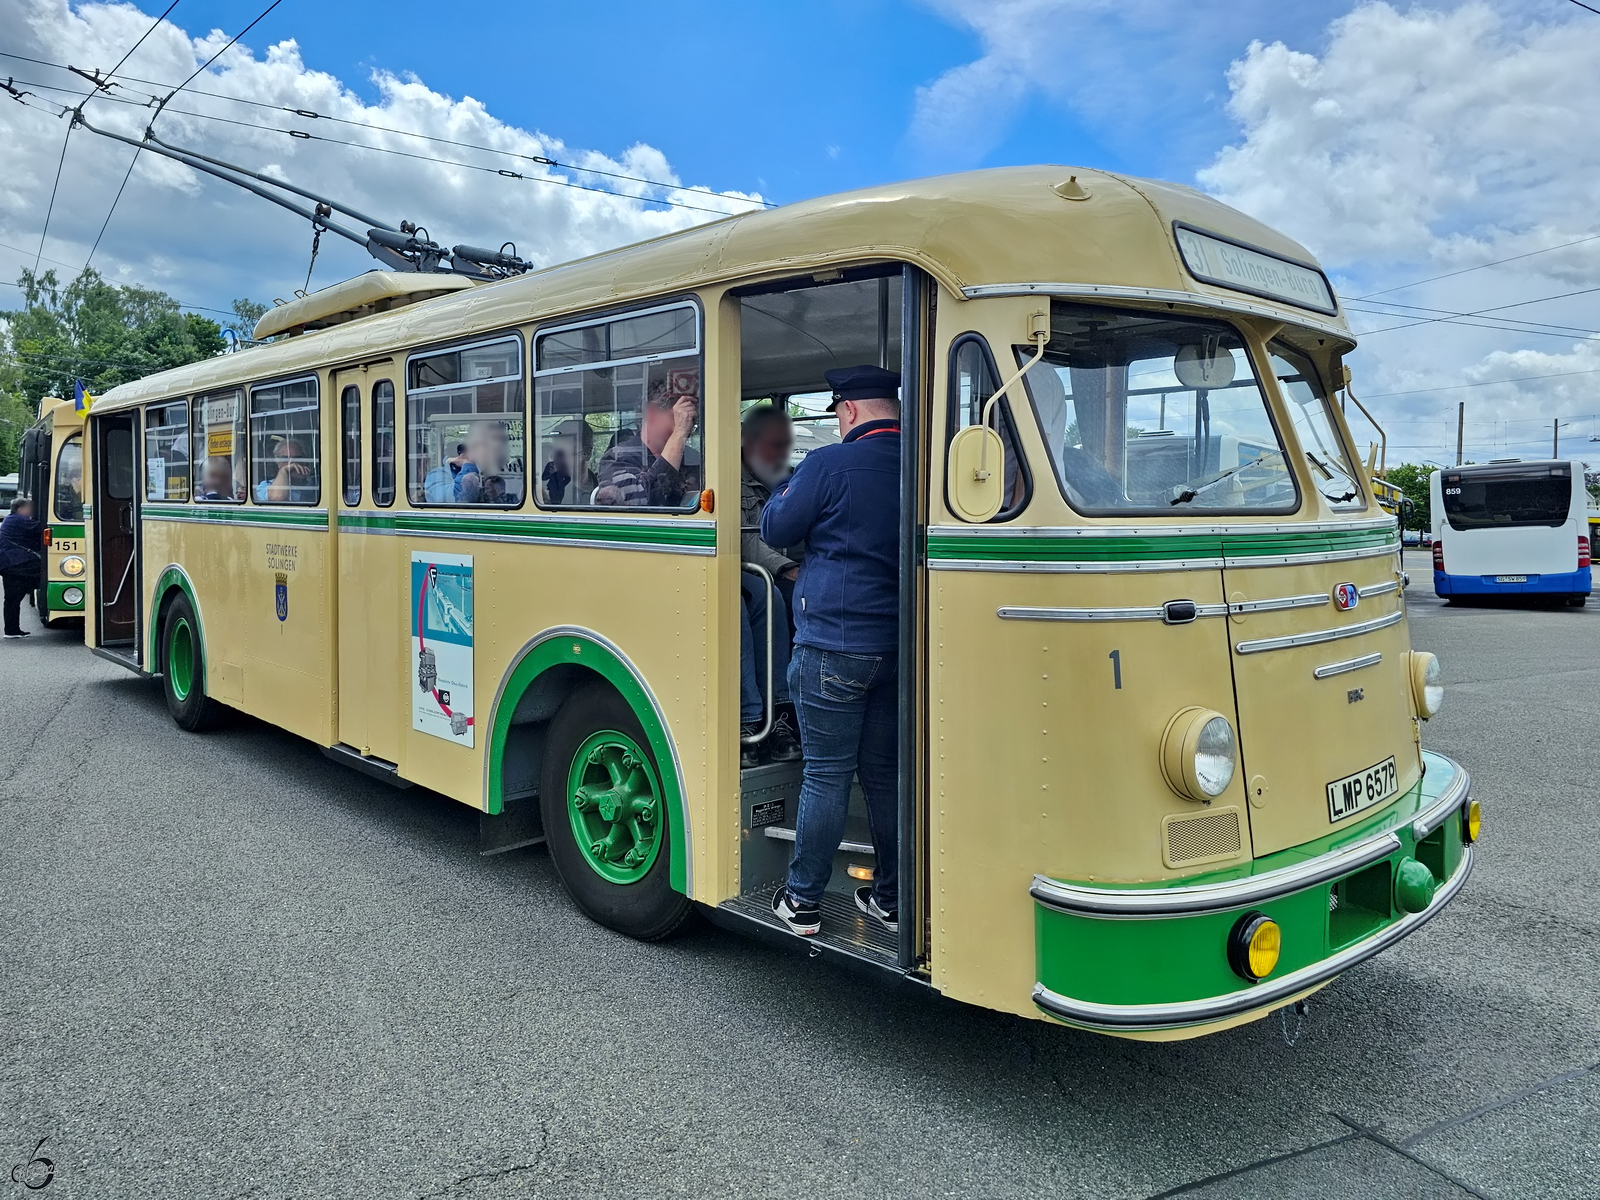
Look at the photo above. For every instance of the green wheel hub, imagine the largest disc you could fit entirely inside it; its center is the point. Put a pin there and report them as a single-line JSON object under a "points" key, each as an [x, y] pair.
{"points": [[614, 800], [180, 659]]}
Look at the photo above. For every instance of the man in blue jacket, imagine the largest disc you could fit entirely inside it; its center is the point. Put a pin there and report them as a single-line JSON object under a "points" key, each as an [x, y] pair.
{"points": [[19, 561], [844, 504]]}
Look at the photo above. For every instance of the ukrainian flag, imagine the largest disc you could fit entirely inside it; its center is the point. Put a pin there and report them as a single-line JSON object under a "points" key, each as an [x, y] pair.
{"points": [[81, 399]]}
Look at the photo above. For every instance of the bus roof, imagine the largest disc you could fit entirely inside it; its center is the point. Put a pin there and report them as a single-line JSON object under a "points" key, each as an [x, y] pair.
{"points": [[993, 232]]}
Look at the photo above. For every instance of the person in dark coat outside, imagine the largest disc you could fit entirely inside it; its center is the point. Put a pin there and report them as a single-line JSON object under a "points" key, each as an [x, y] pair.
{"points": [[19, 561], [844, 503]]}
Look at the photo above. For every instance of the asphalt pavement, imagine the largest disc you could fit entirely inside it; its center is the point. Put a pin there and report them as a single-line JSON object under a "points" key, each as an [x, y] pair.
{"points": [[232, 968]]}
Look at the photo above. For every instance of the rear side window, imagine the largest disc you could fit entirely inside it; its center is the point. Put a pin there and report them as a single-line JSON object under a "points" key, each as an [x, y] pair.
{"points": [[217, 447], [69, 480], [972, 383], [285, 455], [350, 430], [465, 442], [383, 443], [166, 452], [1536, 494]]}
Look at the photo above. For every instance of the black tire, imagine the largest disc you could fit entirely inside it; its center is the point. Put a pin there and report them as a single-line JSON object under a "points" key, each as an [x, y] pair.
{"points": [[647, 909], [1578, 600], [183, 670]]}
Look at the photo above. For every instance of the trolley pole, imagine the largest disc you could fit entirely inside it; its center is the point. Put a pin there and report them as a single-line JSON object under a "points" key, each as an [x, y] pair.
{"points": [[1555, 438], [1461, 427]]}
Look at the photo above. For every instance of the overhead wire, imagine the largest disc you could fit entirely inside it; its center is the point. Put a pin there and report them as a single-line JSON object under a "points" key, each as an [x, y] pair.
{"points": [[1480, 267], [1482, 311]]}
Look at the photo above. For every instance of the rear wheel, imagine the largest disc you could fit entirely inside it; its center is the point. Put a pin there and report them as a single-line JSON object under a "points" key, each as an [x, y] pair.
{"points": [[1578, 599], [605, 819], [183, 673]]}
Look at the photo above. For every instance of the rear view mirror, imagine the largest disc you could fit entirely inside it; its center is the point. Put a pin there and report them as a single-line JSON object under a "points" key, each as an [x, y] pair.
{"points": [[975, 480]]}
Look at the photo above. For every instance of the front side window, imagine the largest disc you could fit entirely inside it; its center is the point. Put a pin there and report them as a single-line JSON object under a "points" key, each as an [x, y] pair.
{"points": [[69, 480], [166, 452], [1326, 456], [218, 446], [972, 383], [383, 443], [464, 426], [285, 450], [350, 421], [618, 411], [1155, 414]]}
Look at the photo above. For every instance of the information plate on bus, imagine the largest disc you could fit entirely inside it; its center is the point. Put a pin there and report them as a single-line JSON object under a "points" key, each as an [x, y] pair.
{"points": [[1350, 795]]}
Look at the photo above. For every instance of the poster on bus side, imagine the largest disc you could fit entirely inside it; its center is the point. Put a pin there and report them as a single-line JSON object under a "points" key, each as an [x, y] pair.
{"points": [[441, 646]]}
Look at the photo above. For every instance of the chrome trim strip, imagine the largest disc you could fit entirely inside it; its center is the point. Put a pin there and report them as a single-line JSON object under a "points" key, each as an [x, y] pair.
{"points": [[1026, 532], [566, 518], [513, 539], [1022, 566], [1320, 635], [1158, 613], [560, 631], [258, 523], [1378, 589], [1091, 1015], [1320, 556], [1453, 797], [1311, 600], [1160, 295], [1329, 670]]}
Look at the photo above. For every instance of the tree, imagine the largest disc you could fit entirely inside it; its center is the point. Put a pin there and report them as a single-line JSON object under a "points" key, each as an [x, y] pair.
{"points": [[1413, 481], [246, 314]]}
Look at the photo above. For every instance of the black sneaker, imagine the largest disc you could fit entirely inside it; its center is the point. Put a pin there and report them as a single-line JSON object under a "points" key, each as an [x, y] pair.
{"points": [[749, 752], [865, 902], [802, 919], [20, 633], [783, 744]]}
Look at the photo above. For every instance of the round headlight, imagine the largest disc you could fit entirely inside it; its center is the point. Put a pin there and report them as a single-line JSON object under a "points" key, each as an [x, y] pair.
{"points": [[72, 566], [1254, 946], [1427, 690], [1199, 754], [72, 595]]}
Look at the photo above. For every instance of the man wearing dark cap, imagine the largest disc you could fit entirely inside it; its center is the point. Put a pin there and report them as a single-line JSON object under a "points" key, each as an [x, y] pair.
{"points": [[844, 504]]}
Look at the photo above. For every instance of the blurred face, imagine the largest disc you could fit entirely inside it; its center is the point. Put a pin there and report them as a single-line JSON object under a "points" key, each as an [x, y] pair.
{"points": [[487, 446], [218, 477], [25, 508], [657, 427], [287, 451], [766, 450]]}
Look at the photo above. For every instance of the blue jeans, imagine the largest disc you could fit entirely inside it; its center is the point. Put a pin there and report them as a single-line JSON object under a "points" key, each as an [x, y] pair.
{"points": [[848, 705], [753, 648]]}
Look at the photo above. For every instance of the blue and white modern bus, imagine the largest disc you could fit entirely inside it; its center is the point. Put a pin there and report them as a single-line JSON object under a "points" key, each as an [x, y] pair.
{"points": [[1511, 528]]}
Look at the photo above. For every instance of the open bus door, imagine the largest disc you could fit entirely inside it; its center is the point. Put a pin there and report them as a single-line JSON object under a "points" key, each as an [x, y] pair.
{"points": [[116, 537]]}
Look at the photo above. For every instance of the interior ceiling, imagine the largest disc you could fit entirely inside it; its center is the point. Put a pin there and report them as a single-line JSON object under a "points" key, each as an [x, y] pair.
{"points": [[789, 339]]}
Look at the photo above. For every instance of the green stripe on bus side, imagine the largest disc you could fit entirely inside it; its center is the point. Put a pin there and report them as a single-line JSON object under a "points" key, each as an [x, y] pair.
{"points": [[689, 537], [58, 530], [234, 513], [1135, 548]]}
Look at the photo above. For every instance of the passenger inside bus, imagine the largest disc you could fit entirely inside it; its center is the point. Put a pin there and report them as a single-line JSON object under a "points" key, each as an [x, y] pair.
{"points": [[69, 481], [476, 474], [293, 480], [646, 468], [217, 481], [767, 437]]}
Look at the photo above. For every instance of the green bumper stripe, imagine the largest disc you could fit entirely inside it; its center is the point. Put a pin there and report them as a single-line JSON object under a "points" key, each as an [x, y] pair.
{"points": [[1134, 548], [621, 532], [54, 601], [233, 514]]}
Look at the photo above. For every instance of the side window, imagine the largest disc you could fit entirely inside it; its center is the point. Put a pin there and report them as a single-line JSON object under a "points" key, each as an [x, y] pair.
{"points": [[617, 406], [69, 480], [972, 383], [218, 446], [166, 452], [350, 430], [285, 456], [464, 426], [383, 443], [1325, 452]]}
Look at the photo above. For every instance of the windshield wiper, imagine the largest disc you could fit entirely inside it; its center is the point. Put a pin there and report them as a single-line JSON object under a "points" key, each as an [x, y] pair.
{"points": [[1186, 494]]}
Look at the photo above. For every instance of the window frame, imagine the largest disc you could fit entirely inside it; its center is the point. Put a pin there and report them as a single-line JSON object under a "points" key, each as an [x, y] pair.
{"points": [[1266, 395], [403, 418], [952, 426], [196, 413], [188, 440], [1325, 395], [53, 477], [394, 444], [250, 414], [603, 317], [344, 446]]}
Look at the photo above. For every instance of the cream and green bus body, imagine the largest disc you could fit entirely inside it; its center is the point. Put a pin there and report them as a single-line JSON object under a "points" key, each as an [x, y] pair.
{"points": [[52, 474], [1072, 843]]}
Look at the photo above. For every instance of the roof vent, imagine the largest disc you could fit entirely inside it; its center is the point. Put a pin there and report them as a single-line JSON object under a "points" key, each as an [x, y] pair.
{"points": [[1071, 189]]}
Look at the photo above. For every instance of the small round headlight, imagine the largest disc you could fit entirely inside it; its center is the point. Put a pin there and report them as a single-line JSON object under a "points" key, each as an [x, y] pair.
{"points": [[72, 595], [1471, 821], [1199, 754], [72, 566], [1427, 690], [1254, 945]]}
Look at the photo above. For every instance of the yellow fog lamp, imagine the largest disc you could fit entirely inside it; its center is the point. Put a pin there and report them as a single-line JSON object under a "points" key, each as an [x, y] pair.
{"points": [[1427, 691], [1254, 946], [1199, 754], [1471, 819], [72, 566]]}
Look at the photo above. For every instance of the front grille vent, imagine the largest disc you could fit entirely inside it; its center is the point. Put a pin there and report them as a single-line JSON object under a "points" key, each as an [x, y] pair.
{"points": [[1209, 837]]}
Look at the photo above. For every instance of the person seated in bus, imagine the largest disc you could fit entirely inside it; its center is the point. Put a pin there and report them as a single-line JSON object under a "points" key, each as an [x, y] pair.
{"points": [[474, 475], [292, 482], [556, 476], [766, 439], [69, 493], [843, 502], [217, 481], [645, 469]]}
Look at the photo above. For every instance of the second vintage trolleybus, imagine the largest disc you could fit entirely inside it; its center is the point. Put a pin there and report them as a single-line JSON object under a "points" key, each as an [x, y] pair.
{"points": [[51, 474], [1161, 767]]}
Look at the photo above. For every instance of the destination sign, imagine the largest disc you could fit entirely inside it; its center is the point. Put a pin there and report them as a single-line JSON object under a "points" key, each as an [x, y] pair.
{"points": [[1242, 269]]}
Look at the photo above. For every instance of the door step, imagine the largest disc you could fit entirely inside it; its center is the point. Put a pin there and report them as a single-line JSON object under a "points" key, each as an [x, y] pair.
{"points": [[378, 768], [845, 931], [123, 658], [781, 833]]}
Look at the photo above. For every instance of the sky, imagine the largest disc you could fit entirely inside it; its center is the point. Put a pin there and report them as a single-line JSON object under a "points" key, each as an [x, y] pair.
{"points": [[1399, 143]]}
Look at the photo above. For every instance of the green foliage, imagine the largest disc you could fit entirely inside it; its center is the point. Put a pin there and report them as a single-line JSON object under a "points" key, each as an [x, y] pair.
{"points": [[102, 333], [1413, 481], [246, 314], [15, 416]]}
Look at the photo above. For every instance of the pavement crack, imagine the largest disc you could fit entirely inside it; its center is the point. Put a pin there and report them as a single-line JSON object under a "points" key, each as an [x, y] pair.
{"points": [[1422, 1161], [476, 1177], [1485, 1109]]}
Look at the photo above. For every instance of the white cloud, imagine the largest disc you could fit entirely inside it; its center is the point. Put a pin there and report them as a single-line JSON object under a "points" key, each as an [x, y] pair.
{"points": [[205, 241]]}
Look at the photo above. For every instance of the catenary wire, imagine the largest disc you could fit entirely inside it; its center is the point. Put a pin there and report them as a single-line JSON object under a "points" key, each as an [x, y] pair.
{"points": [[1464, 270]]}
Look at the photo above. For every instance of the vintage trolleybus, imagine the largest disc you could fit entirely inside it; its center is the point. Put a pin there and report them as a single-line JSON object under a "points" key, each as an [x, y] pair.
{"points": [[51, 473], [1161, 766]]}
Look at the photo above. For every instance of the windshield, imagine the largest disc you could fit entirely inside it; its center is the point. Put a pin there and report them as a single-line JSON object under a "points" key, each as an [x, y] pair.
{"points": [[1331, 469], [1500, 497], [1155, 414]]}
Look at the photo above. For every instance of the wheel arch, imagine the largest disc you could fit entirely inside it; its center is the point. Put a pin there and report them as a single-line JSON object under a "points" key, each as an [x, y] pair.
{"points": [[173, 581], [541, 676]]}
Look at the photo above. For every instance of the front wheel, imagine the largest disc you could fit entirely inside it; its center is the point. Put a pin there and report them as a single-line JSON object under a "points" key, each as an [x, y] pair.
{"points": [[183, 670], [605, 817]]}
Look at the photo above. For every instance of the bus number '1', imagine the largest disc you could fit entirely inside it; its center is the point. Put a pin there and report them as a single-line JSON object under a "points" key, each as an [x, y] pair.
{"points": [[1116, 668]]}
